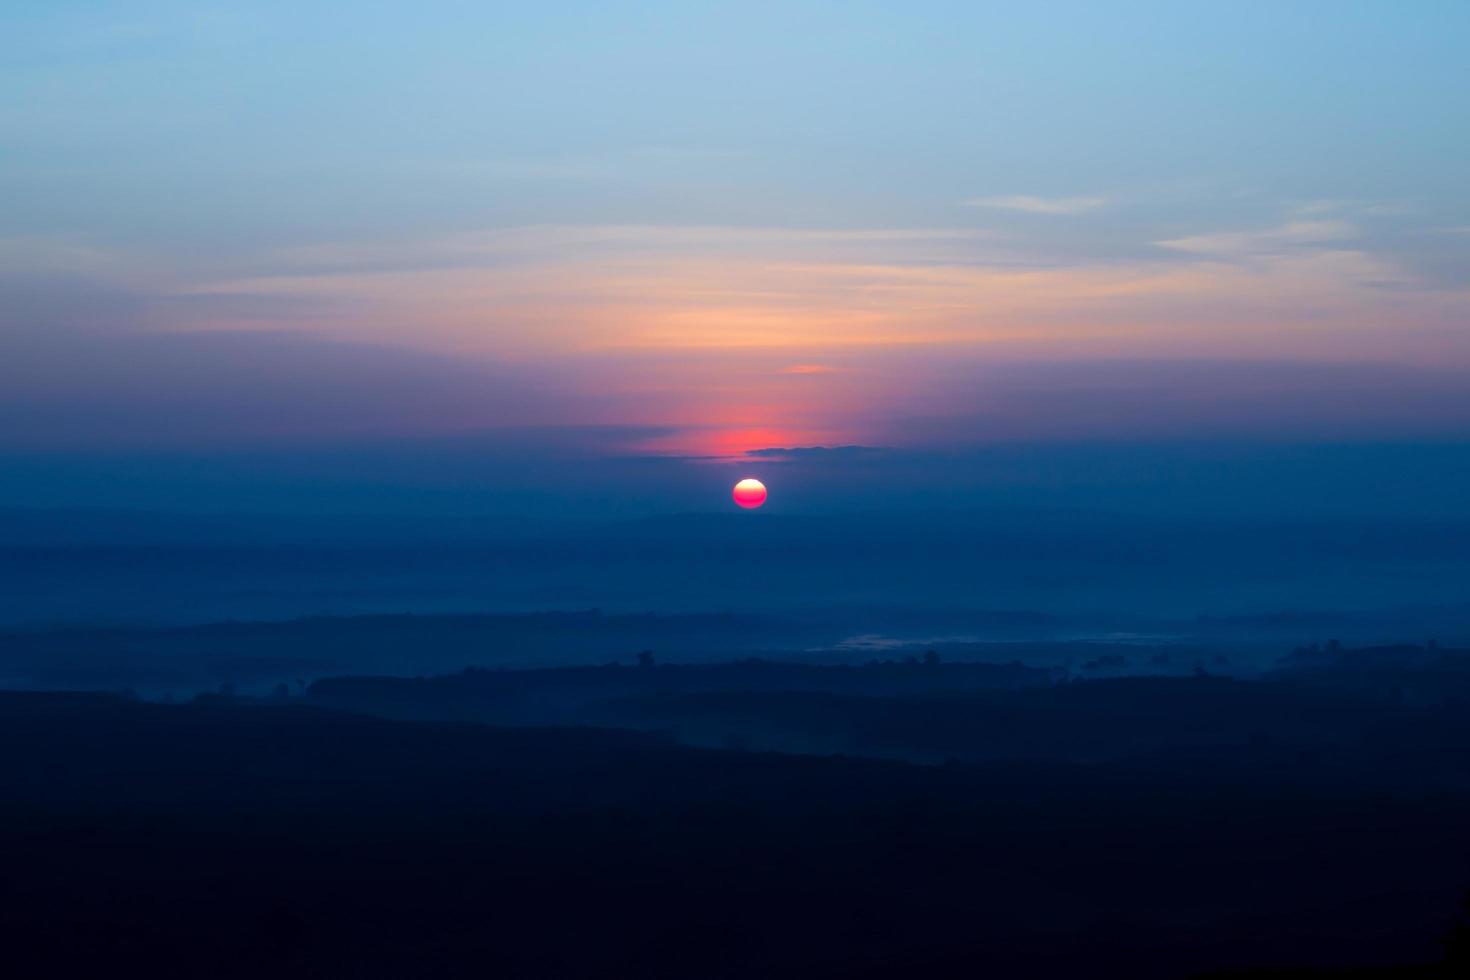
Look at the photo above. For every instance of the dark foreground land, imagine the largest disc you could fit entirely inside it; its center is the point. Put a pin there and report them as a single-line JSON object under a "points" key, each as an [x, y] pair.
{"points": [[1297, 823]]}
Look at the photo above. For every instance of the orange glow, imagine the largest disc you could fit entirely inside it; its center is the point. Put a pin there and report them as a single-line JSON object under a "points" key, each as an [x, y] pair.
{"points": [[716, 342], [537, 291]]}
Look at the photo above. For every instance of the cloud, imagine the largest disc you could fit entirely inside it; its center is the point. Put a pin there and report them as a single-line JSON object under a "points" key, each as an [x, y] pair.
{"points": [[805, 297], [810, 452], [734, 338], [1184, 398], [1318, 207], [68, 388], [521, 245], [1268, 241], [1039, 205]]}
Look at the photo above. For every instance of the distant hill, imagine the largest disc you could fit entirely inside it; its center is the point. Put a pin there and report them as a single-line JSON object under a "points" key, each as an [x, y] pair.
{"points": [[190, 658]]}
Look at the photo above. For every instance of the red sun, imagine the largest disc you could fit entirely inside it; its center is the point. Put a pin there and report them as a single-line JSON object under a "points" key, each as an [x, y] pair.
{"points": [[749, 493]]}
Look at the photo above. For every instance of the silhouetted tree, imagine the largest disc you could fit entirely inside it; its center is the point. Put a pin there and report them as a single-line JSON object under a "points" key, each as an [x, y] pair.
{"points": [[645, 658], [931, 658]]}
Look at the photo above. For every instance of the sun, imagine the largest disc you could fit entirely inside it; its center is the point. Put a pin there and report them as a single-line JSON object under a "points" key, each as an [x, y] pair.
{"points": [[750, 493]]}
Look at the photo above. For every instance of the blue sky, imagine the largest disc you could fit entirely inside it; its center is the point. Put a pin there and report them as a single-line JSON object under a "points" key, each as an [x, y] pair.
{"points": [[241, 123], [713, 228]]}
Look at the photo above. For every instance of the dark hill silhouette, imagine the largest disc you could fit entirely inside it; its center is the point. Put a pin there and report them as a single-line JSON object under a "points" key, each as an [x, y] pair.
{"points": [[265, 653], [562, 695], [1359, 733], [233, 840]]}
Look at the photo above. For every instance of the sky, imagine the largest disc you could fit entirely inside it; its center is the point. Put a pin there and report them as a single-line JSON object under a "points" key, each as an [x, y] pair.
{"points": [[683, 231]]}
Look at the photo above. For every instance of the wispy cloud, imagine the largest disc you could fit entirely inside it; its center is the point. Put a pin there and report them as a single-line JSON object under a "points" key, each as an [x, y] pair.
{"points": [[1265, 241], [1039, 205], [1318, 207], [800, 294], [601, 244]]}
